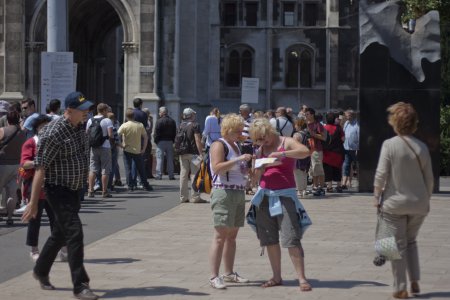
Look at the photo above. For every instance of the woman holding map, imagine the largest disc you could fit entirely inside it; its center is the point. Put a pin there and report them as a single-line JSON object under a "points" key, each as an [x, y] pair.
{"points": [[228, 171], [278, 210]]}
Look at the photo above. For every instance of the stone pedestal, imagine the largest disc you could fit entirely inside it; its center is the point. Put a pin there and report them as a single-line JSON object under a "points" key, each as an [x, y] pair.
{"points": [[396, 66]]}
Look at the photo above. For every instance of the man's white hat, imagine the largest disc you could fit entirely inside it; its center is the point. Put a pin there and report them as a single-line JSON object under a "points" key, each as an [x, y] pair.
{"points": [[187, 112]]}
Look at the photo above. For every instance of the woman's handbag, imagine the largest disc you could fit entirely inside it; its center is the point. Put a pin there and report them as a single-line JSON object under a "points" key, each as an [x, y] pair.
{"points": [[385, 243]]}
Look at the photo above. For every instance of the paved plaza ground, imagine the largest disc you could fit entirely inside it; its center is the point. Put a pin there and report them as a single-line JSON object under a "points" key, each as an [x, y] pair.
{"points": [[165, 257]]}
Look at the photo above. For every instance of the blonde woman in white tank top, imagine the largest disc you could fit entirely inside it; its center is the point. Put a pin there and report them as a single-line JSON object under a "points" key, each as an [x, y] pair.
{"points": [[227, 200]]}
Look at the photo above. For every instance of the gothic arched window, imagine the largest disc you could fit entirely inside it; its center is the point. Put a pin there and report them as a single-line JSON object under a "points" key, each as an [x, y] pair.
{"points": [[239, 64], [299, 67]]}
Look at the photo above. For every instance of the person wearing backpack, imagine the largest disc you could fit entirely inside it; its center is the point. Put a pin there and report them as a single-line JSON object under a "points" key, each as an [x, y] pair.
{"points": [[189, 147], [283, 123], [229, 168], [100, 134]]}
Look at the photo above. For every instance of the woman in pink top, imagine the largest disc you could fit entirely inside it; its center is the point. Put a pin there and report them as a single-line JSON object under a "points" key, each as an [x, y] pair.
{"points": [[278, 179]]}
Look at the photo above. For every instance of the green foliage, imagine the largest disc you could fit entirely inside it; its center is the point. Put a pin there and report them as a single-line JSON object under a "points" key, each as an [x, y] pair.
{"points": [[416, 8], [445, 140]]}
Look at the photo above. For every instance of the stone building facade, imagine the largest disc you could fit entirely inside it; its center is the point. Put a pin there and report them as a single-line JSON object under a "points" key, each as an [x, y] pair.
{"points": [[182, 53]]}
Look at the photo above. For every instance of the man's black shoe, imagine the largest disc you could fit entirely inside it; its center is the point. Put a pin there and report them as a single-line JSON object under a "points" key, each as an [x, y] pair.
{"points": [[44, 282], [172, 178], [148, 188], [158, 178], [86, 294]]}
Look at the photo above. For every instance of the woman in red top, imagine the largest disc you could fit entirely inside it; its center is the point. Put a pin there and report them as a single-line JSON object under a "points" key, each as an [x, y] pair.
{"points": [[278, 178], [333, 155], [26, 171]]}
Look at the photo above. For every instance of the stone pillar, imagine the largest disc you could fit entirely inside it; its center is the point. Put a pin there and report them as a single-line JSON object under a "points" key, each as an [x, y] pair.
{"points": [[12, 53], [332, 52], [57, 25], [146, 59]]}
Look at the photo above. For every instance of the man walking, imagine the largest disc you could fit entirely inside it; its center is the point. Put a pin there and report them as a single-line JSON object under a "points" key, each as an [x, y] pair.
{"points": [[61, 165], [100, 133], [134, 140], [190, 154], [165, 131]]}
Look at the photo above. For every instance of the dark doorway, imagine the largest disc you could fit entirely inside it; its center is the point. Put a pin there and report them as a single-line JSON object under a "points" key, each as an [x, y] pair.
{"points": [[95, 37]]}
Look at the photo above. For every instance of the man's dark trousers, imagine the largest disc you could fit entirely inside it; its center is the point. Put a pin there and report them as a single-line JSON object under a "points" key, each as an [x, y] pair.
{"points": [[67, 229], [137, 160]]}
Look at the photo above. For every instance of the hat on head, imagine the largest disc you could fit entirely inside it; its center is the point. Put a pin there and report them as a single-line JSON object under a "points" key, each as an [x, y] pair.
{"points": [[76, 100], [187, 112], [4, 106]]}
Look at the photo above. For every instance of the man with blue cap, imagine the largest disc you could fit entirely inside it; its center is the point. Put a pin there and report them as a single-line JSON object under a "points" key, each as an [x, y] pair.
{"points": [[61, 166]]}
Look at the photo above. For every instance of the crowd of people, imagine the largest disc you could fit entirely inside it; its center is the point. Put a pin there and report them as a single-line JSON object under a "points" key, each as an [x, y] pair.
{"points": [[272, 155]]}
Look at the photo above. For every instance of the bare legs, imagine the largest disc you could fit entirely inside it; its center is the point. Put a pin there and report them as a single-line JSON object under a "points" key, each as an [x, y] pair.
{"points": [[223, 246], [297, 258]]}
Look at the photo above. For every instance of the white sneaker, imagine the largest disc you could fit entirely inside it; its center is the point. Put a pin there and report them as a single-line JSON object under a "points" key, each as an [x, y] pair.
{"points": [[21, 210], [234, 277], [34, 256], [217, 283]]}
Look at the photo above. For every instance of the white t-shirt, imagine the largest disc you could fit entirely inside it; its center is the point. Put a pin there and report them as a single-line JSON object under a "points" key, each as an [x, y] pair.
{"points": [[286, 127], [105, 124]]}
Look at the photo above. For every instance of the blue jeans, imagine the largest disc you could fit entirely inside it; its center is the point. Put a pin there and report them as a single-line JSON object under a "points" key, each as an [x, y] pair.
{"points": [[350, 156], [164, 148], [129, 159]]}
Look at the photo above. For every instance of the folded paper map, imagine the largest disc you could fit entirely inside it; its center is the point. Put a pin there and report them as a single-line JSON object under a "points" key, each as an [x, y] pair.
{"points": [[261, 162]]}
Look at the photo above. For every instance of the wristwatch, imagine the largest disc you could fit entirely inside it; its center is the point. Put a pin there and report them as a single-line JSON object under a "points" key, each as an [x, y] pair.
{"points": [[283, 154]]}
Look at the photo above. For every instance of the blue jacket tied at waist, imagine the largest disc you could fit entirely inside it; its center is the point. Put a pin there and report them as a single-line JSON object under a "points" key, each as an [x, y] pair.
{"points": [[275, 206]]}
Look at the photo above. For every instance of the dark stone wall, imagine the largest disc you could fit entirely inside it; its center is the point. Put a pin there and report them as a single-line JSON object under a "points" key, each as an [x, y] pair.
{"points": [[383, 82]]}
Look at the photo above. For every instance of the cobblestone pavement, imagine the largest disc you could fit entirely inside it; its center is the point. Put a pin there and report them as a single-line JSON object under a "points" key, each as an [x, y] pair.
{"points": [[166, 257]]}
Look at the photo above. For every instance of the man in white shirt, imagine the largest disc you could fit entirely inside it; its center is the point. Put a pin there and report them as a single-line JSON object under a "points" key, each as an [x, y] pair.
{"points": [[282, 123], [100, 160]]}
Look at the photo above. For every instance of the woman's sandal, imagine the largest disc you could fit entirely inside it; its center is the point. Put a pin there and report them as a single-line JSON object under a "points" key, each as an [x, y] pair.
{"points": [[271, 283], [305, 286]]}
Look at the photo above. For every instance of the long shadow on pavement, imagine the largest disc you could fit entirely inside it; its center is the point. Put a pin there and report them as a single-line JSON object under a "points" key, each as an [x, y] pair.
{"points": [[433, 295], [111, 261], [148, 292], [341, 284]]}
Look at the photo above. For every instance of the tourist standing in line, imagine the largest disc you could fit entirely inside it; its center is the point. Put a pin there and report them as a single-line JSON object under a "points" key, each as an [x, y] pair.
{"points": [[165, 132]]}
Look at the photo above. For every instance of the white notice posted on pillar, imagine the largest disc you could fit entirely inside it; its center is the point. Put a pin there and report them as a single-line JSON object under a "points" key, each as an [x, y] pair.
{"points": [[57, 77], [250, 90]]}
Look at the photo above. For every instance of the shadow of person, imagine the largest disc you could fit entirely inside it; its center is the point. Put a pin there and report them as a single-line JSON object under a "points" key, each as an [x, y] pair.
{"points": [[336, 284], [111, 261], [149, 292], [433, 295]]}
